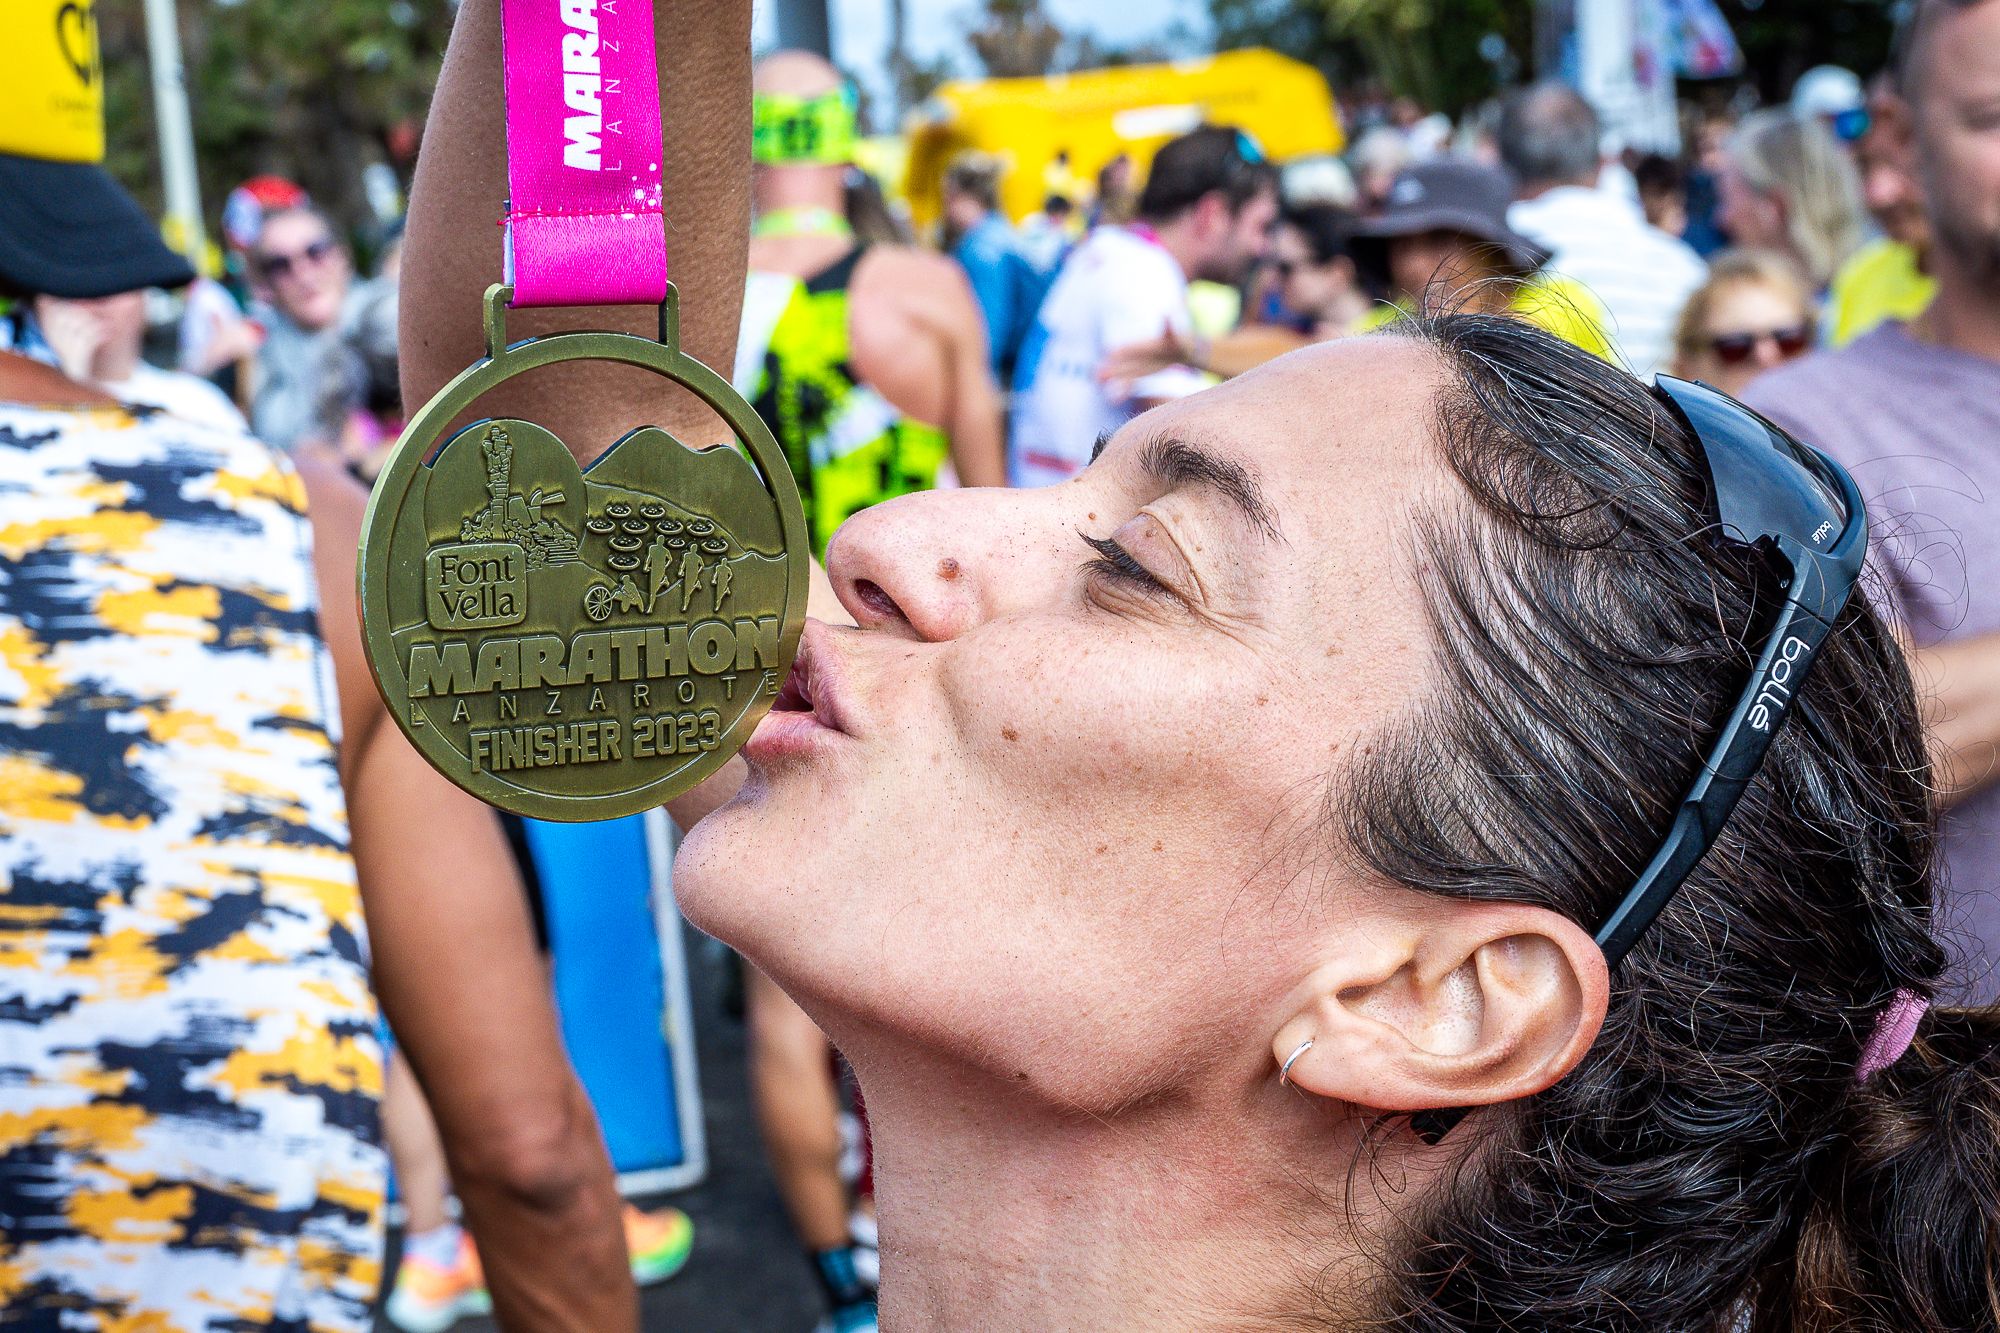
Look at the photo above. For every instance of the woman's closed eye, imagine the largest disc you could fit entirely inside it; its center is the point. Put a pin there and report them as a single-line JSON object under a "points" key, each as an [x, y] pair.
{"points": [[1116, 565]]}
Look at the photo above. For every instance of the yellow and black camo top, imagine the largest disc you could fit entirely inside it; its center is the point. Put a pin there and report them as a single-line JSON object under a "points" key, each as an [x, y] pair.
{"points": [[188, 1061]]}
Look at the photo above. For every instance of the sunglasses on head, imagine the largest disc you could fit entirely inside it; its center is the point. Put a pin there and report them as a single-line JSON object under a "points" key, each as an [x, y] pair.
{"points": [[277, 266], [1733, 349], [1802, 513]]}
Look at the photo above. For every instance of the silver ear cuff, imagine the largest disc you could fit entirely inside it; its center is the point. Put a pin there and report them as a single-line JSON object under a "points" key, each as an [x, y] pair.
{"points": [[1285, 1070]]}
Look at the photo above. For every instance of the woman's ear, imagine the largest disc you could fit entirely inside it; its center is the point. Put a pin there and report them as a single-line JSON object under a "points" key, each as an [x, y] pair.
{"points": [[1460, 1004]]}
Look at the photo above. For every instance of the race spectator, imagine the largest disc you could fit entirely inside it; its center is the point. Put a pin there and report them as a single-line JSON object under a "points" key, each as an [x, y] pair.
{"points": [[1913, 409], [218, 339], [1046, 236], [369, 332], [1115, 198], [1319, 293], [308, 380], [1789, 186], [1318, 284], [1443, 237], [1206, 212], [867, 359], [201, 787], [1549, 140], [1662, 186], [1704, 183], [1833, 96], [1754, 313], [1887, 278], [97, 342], [1377, 158], [978, 237]]}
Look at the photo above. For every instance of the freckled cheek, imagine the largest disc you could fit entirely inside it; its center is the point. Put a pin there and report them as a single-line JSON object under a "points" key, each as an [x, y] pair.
{"points": [[1044, 722]]}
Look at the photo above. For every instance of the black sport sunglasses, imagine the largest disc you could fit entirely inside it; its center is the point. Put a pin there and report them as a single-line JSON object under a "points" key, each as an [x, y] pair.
{"points": [[1802, 512]]}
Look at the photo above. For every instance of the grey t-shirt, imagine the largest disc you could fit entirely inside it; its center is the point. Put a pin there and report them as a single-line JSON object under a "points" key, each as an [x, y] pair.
{"points": [[308, 380], [1919, 427]]}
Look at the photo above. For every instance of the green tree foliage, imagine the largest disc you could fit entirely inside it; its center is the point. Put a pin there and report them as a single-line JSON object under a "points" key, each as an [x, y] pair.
{"points": [[1426, 49], [1782, 39], [310, 89], [1016, 38], [1431, 49]]}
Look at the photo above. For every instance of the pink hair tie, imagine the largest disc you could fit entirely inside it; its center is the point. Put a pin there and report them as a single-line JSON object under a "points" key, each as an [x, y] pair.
{"points": [[1895, 1029]]}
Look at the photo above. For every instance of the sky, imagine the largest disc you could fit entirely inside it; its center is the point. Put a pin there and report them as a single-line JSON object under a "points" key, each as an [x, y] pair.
{"points": [[937, 27]]}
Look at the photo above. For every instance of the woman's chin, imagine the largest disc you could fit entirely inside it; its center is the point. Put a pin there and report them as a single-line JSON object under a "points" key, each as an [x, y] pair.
{"points": [[735, 867], [714, 867]]}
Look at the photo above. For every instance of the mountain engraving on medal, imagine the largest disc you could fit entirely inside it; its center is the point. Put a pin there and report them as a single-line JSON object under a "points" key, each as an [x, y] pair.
{"points": [[573, 625]]}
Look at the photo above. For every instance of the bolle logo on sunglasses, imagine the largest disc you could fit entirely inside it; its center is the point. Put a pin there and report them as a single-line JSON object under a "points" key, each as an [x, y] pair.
{"points": [[1776, 695]]}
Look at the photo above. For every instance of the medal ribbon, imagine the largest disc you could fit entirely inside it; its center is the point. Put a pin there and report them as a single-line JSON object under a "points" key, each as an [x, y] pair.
{"points": [[584, 222]]}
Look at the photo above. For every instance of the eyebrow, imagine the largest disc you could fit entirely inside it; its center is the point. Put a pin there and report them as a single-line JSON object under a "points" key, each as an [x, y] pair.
{"points": [[1178, 462]]}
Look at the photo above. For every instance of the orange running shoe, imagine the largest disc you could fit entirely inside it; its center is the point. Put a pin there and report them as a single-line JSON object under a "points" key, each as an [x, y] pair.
{"points": [[430, 1297], [658, 1243]]}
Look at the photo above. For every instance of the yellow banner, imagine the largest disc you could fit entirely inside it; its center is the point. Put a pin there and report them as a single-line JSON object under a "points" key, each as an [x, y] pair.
{"points": [[52, 98]]}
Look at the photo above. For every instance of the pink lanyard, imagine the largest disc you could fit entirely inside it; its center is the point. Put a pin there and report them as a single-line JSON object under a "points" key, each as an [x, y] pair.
{"points": [[584, 223]]}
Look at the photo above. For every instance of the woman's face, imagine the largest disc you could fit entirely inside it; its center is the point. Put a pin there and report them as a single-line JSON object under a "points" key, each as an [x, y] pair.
{"points": [[1308, 287], [1069, 824], [1752, 218], [1751, 327], [1446, 259]]}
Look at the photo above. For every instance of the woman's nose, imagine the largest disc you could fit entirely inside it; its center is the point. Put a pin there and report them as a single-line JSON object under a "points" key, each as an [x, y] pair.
{"points": [[933, 565]]}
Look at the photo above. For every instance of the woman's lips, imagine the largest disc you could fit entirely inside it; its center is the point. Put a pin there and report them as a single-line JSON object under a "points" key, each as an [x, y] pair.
{"points": [[810, 709]]}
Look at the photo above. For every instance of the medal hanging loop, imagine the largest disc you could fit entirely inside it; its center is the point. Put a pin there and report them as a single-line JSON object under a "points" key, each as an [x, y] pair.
{"points": [[500, 297]]}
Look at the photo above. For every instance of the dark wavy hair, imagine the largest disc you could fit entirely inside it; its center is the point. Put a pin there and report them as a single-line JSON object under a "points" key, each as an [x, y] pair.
{"points": [[1712, 1163]]}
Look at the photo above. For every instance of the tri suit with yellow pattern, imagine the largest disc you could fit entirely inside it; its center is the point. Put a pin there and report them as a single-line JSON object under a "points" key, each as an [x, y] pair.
{"points": [[189, 1070], [849, 446]]}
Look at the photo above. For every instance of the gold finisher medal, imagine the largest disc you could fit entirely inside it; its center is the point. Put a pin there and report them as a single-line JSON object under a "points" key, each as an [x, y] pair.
{"points": [[581, 643]]}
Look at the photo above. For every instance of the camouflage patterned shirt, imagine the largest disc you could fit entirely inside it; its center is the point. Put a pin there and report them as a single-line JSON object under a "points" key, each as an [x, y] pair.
{"points": [[188, 1064]]}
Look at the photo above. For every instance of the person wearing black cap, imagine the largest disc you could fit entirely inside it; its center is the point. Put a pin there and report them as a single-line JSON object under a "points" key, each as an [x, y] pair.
{"points": [[198, 786], [1443, 233]]}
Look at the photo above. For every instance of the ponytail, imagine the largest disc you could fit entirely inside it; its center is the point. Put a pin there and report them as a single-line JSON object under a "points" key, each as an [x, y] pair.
{"points": [[1903, 1232]]}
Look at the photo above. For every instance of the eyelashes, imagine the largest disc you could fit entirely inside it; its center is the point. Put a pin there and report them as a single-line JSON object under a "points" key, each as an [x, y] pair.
{"points": [[1115, 564]]}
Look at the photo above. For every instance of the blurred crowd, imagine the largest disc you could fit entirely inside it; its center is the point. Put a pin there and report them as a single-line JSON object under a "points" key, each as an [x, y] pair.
{"points": [[1002, 350], [1778, 230]]}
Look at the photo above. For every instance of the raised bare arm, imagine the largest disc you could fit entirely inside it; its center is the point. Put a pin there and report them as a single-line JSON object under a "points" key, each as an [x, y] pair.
{"points": [[454, 240]]}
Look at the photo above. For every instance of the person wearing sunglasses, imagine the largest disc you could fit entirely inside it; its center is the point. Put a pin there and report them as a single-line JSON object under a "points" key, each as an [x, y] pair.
{"points": [[1754, 312], [1431, 726], [1420, 836], [1913, 409], [308, 378]]}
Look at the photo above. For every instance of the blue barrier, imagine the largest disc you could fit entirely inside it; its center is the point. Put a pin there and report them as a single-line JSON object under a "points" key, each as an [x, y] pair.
{"points": [[622, 991]]}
